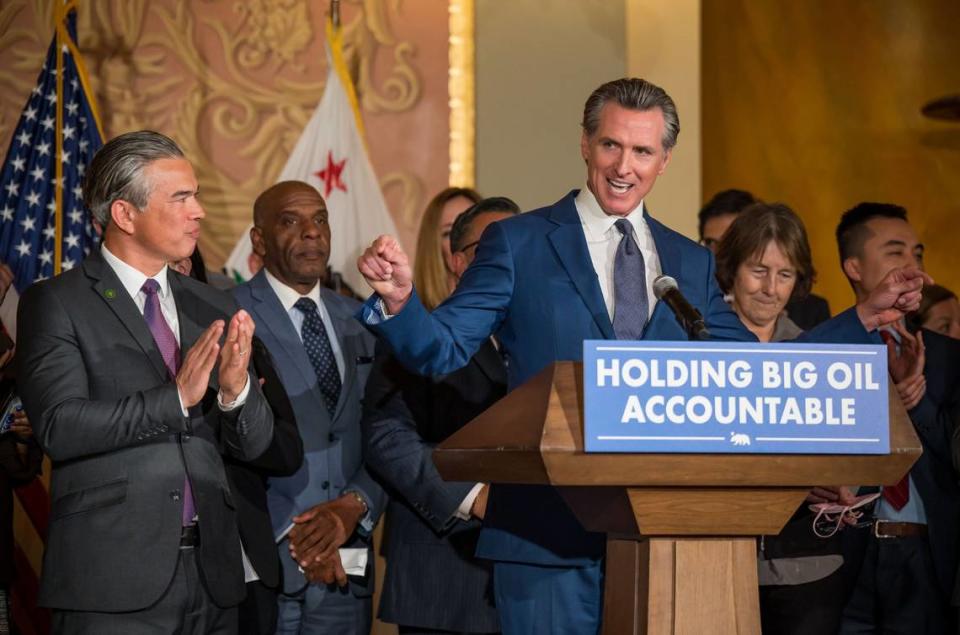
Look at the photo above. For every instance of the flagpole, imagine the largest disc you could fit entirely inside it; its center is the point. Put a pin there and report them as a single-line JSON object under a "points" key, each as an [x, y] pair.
{"points": [[335, 13], [58, 16]]}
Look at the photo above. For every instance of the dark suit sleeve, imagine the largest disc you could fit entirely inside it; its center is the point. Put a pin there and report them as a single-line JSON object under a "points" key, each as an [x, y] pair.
{"points": [[394, 449], [284, 455], [55, 389]]}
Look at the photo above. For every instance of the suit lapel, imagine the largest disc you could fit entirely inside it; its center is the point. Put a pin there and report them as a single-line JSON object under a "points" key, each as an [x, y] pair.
{"points": [[188, 313], [570, 246], [108, 288], [346, 332], [269, 311], [670, 263]]}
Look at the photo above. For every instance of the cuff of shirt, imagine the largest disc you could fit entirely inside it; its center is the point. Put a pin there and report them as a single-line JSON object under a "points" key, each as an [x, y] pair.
{"points": [[183, 408], [236, 403], [463, 512]]}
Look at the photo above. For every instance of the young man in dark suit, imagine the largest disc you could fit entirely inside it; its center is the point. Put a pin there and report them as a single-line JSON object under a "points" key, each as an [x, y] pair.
{"points": [[134, 398]]}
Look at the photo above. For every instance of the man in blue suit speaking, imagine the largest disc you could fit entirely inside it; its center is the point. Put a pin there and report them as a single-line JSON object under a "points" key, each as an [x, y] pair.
{"points": [[543, 282]]}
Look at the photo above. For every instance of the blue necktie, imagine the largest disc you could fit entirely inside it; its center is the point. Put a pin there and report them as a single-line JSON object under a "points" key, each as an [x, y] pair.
{"points": [[630, 306], [317, 344]]}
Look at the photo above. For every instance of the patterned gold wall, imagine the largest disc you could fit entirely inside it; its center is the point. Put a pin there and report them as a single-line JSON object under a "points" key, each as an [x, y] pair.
{"points": [[235, 81]]}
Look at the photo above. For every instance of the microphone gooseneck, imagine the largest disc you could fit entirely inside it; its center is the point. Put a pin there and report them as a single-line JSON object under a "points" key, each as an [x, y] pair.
{"points": [[666, 289]]}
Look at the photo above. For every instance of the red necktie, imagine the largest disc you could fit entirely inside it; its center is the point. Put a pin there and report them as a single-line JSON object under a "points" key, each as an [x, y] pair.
{"points": [[897, 495]]}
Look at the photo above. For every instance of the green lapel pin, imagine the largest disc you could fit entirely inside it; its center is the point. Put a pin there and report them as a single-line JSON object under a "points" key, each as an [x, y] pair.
{"points": [[109, 294]]}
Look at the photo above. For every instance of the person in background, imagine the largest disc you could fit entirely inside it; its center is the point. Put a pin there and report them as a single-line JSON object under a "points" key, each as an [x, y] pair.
{"points": [[248, 483], [806, 310], [939, 312], [910, 555], [322, 515], [433, 582], [763, 262], [437, 279], [20, 460]]}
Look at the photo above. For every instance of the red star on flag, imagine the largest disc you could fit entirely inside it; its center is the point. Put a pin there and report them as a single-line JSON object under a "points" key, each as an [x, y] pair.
{"points": [[330, 175]]}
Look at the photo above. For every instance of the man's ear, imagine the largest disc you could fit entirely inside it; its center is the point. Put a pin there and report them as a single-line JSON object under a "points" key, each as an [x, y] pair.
{"points": [[122, 214], [667, 155], [256, 239], [460, 264], [851, 269], [584, 145]]}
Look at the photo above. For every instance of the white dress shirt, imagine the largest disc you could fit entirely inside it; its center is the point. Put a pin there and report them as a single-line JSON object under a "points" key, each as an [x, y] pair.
{"points": [[603, 238], [289, 296]]}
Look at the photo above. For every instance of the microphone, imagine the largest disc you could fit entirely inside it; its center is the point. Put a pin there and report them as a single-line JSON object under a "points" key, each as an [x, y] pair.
{"points": [[665, 288]]}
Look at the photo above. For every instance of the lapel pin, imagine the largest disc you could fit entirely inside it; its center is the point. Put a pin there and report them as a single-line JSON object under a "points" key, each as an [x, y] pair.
{"points": [[109, 294]]}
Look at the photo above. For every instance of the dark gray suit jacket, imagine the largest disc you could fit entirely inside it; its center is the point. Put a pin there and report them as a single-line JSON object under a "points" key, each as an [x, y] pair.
{"points": [[433, 580], [333, 456], [106, 412]]}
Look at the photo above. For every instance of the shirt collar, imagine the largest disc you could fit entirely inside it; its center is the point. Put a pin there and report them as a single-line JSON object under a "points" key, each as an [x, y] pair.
{"points": [[132, 278], [597, 222], [288, 295]]}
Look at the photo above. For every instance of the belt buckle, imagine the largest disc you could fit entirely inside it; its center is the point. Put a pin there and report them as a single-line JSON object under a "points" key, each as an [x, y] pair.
{"points": [[877, 533]]}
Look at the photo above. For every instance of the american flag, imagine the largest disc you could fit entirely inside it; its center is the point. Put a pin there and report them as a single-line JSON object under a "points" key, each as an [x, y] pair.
{"points": [[29, 214], [28, 202]]}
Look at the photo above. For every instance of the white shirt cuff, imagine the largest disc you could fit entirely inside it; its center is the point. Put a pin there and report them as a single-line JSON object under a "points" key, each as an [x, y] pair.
{"points": [[236, 403], [383, 310], [463, 512], [183, 408]]}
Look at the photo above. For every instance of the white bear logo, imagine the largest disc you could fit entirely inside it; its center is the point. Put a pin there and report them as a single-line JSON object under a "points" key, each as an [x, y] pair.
{"points": [[739, 438]]}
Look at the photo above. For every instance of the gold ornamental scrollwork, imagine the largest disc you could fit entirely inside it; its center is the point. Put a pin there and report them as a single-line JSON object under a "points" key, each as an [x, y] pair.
{"points": [[24, 49], [234, 84]]}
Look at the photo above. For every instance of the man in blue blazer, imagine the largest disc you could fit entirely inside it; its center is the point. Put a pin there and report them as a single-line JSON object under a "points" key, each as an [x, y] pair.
{"points": [[323, 356], [547, 280]]}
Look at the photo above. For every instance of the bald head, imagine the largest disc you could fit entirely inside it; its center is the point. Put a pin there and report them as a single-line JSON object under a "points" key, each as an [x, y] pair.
{"points": [[291, 233], [272, 199]]}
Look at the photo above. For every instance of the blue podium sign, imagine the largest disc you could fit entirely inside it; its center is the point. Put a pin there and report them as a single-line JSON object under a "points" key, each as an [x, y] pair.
{"points": [[720, 397]]}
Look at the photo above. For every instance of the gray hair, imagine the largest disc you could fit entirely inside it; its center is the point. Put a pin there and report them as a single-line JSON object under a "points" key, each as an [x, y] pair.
{"points": [[116, 171], [634, 94]]}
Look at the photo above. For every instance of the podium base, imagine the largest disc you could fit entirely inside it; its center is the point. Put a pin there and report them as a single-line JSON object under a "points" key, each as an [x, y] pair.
{"points": [[681, 586]]}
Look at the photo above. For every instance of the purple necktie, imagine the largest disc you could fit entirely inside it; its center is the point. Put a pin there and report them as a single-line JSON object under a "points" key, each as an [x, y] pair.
{"points": [[170, 351]]}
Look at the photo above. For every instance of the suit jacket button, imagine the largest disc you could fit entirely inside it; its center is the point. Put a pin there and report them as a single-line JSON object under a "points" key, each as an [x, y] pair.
{"points": [[325, 485], [332, 437], [175, 494]]}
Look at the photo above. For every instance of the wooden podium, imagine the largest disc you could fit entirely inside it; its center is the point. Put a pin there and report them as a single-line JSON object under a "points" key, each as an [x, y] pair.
{"points": [[681, 549]]}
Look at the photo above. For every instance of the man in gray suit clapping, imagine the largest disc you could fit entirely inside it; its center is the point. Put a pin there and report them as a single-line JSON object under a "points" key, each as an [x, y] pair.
{"points": [[136, 381]]}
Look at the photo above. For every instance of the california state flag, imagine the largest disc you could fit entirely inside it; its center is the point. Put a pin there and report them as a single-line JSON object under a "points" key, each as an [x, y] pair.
{"points": [[331, 156]]}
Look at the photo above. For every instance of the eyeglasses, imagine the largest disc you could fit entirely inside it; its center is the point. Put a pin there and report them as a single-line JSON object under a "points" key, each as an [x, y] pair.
{"points": [[469, 245]]}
